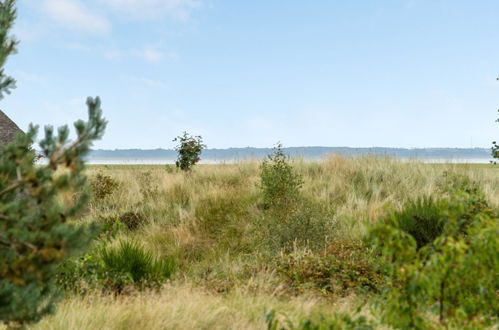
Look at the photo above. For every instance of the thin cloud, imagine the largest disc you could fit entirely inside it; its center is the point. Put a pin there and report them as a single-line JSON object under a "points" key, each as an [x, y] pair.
{"points": [[152, 83], [75, 15], [150, 54], [178, 9], [113, 54]]}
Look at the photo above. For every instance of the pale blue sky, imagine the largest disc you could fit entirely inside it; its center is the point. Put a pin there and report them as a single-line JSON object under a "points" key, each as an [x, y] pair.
{"points": [[394, 73]]}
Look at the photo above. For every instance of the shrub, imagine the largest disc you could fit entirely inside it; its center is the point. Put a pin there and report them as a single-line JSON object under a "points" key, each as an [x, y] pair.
{"points": [[279, 183], [338, 270], [453, 278], [189, 149], [130, 263], [103, 185]]}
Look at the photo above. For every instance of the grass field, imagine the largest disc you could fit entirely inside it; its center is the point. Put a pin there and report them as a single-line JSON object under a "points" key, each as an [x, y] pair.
{"points": [[231, 269]]}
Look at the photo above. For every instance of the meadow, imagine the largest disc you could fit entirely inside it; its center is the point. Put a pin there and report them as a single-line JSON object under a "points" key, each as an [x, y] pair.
{"points": [[237, 263]]}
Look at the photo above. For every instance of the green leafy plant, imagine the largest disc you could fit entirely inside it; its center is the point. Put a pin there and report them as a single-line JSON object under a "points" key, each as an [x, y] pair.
{"points": [[279, 183], [189, 149], [288, 218], [437, 284]]}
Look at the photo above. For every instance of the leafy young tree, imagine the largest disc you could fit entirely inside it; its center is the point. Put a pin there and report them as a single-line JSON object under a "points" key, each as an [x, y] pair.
{"points": [[189, 149], [279, 183], [37, 203]]}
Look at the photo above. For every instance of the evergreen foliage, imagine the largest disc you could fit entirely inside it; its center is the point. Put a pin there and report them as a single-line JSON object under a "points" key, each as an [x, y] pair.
{"points": [[189, 149], [37, 202], [7, 43]]}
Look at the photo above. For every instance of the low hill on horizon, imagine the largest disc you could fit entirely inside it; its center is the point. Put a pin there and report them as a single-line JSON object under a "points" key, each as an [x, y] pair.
{"points": [[234, 154]]}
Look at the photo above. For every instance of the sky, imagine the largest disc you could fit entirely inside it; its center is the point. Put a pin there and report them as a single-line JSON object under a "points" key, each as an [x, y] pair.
{"points": [[358, 73]]}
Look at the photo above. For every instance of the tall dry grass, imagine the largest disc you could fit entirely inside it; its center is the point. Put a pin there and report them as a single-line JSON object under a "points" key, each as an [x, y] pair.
{"points": [[209, 220], [181, 307]]}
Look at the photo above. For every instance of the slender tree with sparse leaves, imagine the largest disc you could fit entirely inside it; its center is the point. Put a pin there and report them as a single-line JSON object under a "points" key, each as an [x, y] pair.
{"points": [[38, 203]]}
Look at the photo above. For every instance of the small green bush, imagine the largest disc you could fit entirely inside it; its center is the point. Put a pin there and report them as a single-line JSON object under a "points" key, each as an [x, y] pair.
{"points": [[279, 183], [103, 186], [189, 149], [288, 218]]}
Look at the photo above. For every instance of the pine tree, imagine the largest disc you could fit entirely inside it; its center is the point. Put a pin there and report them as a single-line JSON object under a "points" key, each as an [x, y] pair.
{"points": [[38, 203], [7, 43]]}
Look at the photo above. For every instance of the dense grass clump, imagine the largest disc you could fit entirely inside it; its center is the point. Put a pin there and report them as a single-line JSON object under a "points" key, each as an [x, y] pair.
{"points": [[114, 268], [130, 263], [424, 219]]}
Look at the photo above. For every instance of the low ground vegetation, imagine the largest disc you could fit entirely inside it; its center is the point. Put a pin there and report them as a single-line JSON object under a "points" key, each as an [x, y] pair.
{"points": [[362, 243]]}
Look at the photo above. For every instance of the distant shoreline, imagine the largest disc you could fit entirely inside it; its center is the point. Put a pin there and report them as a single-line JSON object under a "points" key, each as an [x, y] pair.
{"points": [[234, 155], [207, 162]]}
